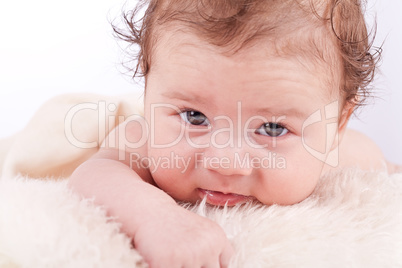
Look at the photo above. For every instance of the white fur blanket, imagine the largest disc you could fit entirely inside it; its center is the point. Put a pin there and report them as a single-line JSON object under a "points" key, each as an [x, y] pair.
{"points": [[353, 219]]}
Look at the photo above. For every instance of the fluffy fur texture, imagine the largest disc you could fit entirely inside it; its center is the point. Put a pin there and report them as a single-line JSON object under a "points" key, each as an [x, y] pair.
{"points": [[353, 219]]}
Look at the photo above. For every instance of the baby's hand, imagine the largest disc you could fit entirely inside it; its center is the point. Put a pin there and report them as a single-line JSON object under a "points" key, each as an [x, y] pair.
{"points": [[179, 238]]}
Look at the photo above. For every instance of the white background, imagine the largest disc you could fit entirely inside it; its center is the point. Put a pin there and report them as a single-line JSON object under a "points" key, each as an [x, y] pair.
{"points": [[49, 47]]}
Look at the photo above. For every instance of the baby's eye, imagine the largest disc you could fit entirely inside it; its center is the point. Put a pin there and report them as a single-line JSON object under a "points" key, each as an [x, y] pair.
{"points": [[272, 130], [195, 118]]}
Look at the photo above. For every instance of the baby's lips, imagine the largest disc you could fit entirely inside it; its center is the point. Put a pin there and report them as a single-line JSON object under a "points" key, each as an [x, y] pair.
{"points": [[220, 199]]}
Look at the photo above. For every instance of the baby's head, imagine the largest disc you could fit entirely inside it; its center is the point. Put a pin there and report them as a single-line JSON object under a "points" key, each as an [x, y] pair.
{"points": [[247, 98], [332, 33]]}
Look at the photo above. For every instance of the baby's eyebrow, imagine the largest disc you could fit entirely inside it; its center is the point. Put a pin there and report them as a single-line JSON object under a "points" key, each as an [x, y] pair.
{"points": [[295, 112], [203, 100], [193, 97]]}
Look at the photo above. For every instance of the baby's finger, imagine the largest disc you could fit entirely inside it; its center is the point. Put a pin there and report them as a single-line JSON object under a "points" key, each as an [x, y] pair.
{"points": [[226, 255]]}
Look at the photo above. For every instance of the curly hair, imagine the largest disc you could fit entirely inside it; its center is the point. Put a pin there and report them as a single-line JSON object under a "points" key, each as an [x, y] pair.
{"points": [[332, 31]]}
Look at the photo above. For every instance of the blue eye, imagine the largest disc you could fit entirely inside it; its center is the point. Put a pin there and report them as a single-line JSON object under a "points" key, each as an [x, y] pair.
{"points": [[194, 118], [272, 130]]}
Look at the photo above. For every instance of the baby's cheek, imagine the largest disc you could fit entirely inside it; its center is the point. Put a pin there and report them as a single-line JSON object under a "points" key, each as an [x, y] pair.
{"points": [[289, 185], [164, 180], [171, 181]]}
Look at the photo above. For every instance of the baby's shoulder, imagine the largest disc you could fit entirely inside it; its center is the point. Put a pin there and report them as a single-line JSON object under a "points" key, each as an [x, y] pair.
{"points": [[358, 150]]}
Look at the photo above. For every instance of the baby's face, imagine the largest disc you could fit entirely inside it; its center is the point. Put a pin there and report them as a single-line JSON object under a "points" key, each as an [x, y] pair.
{"points": [[239, 127]]}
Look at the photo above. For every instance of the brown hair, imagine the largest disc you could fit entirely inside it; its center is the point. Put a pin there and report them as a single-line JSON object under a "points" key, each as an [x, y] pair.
{"points": [[234, 24]]}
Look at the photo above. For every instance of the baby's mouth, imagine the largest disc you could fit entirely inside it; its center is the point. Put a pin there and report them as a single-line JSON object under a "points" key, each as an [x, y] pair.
{"points": [[221, 199]]}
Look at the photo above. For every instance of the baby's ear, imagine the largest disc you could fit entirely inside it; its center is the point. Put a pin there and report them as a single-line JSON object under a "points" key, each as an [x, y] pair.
{"points": [[333, 157], [346, 112]]}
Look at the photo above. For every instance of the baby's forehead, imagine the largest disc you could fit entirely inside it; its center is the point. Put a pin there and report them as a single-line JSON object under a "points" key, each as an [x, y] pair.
{"points": [[188, 49], [315, 52]]}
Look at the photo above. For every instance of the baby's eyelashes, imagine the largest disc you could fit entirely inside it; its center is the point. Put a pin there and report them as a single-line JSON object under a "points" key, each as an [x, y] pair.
{"points": [[272, 130], [195, 118]]}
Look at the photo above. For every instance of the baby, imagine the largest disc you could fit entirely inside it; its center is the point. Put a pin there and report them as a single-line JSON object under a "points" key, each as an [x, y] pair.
{"points": [[245, 100]]}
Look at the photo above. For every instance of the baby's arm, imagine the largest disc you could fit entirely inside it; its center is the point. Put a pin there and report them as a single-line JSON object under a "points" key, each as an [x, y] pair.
{"points": [[164, 233], [118, 188]]}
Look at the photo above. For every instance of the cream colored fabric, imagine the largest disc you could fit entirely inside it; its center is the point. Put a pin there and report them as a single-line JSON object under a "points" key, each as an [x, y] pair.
{"points": [[65, 131], [353, 219]]}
